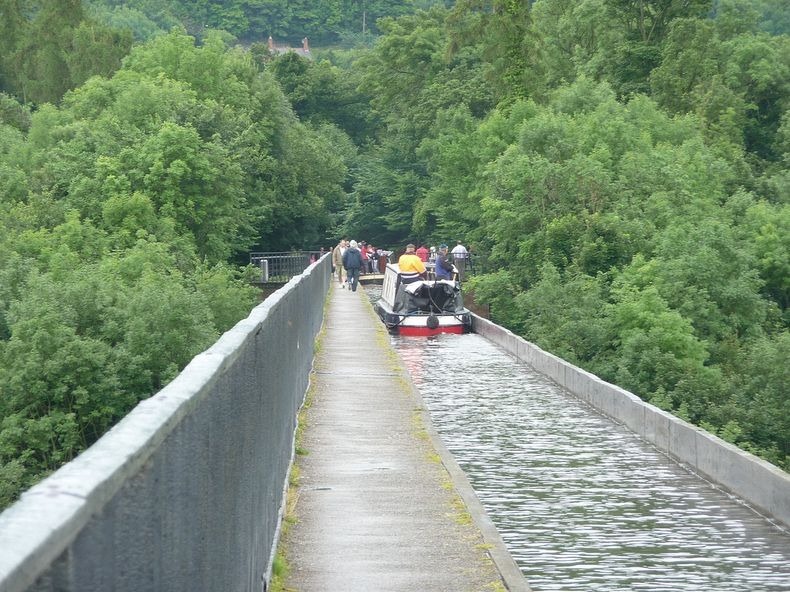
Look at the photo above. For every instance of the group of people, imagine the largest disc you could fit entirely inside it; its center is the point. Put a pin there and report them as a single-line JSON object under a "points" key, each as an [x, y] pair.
{"points": [[350, 258], [445, 264]]}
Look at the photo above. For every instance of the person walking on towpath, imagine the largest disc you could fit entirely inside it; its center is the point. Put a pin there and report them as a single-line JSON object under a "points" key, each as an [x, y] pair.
{"points": [[352, 261], [337, 259]]}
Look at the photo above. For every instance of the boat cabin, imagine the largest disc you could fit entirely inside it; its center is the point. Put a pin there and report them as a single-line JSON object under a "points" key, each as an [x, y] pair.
{"points": [[421, 307]]}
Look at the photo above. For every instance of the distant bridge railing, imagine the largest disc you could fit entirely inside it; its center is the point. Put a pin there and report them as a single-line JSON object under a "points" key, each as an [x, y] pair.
{"points": [[280, 267]]}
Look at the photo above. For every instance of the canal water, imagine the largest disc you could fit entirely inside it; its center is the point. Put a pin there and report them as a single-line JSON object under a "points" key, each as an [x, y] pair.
{"points": [[581, 502]]}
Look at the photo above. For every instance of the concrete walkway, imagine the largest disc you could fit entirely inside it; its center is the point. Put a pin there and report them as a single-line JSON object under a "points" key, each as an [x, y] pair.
{"points": [[381, 504]]}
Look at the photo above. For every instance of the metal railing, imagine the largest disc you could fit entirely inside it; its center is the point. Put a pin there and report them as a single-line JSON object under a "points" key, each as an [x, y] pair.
{"points": [[280, 267]]}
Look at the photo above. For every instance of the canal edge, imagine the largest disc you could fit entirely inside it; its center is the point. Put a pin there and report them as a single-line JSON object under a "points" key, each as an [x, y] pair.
{"points": [[512, 576]]}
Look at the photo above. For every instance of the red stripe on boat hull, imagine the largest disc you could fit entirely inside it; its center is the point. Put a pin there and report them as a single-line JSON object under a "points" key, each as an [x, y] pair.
{"points": [[425, 331]]}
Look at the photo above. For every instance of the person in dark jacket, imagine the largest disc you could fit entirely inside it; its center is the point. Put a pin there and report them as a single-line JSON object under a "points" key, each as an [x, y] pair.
{"points": [[352, 261], [444, 267]]}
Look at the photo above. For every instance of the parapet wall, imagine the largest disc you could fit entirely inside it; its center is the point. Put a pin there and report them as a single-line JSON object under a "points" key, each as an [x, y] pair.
{"points": [[186, 492], [761, 484]]}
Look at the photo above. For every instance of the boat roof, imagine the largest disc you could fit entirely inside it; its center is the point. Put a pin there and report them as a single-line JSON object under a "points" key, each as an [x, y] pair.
{"points": [[413, 287]]}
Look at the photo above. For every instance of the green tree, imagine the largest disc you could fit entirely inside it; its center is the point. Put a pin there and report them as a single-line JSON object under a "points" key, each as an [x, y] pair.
{"points": [[509, 46], [322, 93], [656, 346], [53, 47], [565, 315], [96, 50], [43, 73], [761, 405], [767, 228], [13, 26], [118, 212], [642, 25], [735, 79], [126, 18]]}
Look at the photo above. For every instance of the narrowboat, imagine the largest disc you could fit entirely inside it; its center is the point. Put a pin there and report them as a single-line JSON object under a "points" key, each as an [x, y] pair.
{"points": [[421, 307]]}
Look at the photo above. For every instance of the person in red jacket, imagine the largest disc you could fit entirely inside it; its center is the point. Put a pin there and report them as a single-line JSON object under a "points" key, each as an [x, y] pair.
{"points": [[363, 252], [422, 253], [373, 258]]}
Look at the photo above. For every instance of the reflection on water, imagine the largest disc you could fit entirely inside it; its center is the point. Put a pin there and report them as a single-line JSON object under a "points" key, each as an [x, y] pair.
{"points": [[581, 502]]}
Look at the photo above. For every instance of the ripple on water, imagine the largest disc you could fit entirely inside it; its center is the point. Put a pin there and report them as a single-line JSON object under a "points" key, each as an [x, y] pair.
{"points": [[581, 502]]}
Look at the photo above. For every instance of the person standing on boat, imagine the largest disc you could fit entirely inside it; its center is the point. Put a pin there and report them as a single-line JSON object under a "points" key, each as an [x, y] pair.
{"points": [[352, 261], [411, 266], [444, 267], [459, 251], [423, 253], [461, 255]]}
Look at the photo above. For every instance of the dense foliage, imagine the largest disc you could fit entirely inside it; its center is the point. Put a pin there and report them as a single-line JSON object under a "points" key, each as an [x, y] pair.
{"points": [[119, 212], [48, 47], [324, 22], [623, 167]]}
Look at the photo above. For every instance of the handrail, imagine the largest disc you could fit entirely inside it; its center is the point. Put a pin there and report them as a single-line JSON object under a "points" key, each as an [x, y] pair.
{"points": [[280, 267]]}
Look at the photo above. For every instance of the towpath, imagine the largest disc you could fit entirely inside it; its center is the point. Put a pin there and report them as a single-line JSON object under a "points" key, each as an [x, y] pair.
{"points": [[381, 504]]}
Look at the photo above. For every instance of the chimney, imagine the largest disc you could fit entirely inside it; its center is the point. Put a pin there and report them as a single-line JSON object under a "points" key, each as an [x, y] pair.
{"points": [[271, 43], [305, 46]]}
